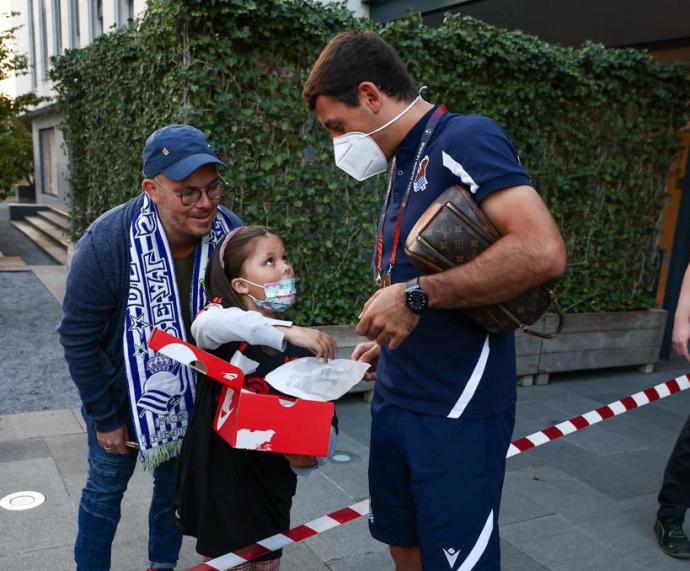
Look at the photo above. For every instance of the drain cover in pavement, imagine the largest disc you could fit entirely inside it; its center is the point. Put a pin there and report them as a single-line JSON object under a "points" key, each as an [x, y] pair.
{"points": [[22, 501], [341, 457]]}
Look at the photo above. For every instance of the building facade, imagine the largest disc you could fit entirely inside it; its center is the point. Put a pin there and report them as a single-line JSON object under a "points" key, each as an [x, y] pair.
{"points": [[47, 28]]}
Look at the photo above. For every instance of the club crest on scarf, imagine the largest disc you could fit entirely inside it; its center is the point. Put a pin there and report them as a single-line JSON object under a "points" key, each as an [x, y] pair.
{"points": [[161, 391]]}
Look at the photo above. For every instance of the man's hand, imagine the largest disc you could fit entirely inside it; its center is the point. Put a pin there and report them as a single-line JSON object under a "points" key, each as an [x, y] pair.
{"points": [[113, 442], [385, 317], [681, 336], [368, 352]]}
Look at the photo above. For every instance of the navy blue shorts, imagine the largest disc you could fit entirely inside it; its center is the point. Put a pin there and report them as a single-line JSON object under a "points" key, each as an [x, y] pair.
{"points": [[436, 482]]}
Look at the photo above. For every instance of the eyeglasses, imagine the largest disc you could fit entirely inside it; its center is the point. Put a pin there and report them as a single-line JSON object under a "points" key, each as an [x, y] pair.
{"points": [[190, 197]]}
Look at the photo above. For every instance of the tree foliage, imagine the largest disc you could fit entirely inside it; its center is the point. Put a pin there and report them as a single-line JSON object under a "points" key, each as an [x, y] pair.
{"points": [[594, 126], [16, 158]]}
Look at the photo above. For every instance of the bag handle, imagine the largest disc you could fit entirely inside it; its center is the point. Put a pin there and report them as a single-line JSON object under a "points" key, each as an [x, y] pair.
{"points": [[557, 306]]}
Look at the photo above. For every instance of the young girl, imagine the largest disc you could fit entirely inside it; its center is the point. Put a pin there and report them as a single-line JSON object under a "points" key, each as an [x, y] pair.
{"points": [[226, 497]]}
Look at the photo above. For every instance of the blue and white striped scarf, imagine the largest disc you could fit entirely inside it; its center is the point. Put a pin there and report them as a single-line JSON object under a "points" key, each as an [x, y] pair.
{"points": [[161, 391]]}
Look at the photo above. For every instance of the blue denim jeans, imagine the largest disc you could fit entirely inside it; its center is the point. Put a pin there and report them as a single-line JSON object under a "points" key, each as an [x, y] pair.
{"points": [[99, 509]]}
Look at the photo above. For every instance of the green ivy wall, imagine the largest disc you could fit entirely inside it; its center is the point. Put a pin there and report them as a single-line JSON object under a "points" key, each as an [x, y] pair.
{"points": [[595, 127]]}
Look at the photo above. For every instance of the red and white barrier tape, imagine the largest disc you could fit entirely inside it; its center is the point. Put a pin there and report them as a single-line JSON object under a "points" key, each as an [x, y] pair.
{"points": [[345, 515], [280, 540], [605, 412]]}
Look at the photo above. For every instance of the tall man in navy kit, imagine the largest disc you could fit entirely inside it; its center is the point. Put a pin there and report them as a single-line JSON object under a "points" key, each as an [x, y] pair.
{"points": [[444, 404]]}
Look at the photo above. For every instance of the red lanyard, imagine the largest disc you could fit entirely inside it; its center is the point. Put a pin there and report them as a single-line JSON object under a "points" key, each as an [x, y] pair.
{"points": [[384, 281]]}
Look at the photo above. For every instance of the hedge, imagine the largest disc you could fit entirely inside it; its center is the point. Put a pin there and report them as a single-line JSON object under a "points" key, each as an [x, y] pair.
{"points": [[595, 127]]}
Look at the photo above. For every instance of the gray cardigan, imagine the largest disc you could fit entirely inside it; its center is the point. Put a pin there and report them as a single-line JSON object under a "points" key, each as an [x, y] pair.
{"points": [[93, 319]]}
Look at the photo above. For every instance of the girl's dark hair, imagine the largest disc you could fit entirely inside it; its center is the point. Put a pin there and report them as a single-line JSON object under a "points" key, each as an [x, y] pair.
{"points": [[237, 250], [351, 58]]}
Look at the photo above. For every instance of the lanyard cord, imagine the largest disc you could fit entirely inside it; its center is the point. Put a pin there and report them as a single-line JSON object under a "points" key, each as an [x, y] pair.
{"points": [[426, 137]]}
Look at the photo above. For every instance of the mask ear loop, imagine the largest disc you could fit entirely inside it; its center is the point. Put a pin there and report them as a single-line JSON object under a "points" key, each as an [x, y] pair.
{"points": [[294, 279], [382, 127], [252, 283], [256, 300], [394, 119]]}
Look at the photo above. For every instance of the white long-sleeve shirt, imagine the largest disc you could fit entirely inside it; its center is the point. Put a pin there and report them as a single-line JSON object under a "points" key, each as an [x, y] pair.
{"points": [[217, 325]]}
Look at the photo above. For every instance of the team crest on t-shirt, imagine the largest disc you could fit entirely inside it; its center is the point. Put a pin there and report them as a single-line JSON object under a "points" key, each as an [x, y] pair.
{"points": [[420, 181]]}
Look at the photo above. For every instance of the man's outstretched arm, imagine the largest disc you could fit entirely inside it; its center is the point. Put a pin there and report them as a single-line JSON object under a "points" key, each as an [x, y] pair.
{"points": [[681, 323]]}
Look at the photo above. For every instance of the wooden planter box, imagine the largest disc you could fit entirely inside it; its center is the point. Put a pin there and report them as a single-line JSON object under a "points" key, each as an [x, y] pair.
{"points": [[591, 341]]}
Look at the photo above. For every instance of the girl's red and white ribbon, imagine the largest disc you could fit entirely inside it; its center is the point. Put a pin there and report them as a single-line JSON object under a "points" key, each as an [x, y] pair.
{"points": [[518, 446]]}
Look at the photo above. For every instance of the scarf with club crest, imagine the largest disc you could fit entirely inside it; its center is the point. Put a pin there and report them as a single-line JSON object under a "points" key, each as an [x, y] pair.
{"points": [[161, 391]]}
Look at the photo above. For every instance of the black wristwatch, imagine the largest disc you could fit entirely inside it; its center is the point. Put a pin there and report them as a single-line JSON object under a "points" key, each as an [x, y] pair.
{"points": [[416, 298]]}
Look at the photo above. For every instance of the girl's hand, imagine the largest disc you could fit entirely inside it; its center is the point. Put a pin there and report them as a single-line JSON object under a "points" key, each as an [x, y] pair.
{"points": [[368, 352], [318, 342], [299, 461]]}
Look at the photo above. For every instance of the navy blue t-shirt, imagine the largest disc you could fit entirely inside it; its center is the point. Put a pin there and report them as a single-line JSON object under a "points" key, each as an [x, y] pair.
{"points": [[449, 366]]}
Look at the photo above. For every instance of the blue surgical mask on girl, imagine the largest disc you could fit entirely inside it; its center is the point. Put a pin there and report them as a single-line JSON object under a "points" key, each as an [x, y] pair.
{"points": [[279, 296]]}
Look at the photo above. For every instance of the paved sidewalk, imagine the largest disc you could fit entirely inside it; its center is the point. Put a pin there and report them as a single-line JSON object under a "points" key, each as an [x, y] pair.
{"points": [[34, 372], [585, 502], [14, 243]]}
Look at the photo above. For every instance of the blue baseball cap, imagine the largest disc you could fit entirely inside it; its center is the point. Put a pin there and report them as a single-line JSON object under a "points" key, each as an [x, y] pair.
{"points": [[176, 151]]}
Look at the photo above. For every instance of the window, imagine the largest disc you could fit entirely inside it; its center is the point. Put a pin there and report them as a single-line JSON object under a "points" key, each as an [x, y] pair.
{"points": [[32, 42], [57, 26], [75, 23], [48, 152], [125, 11], [96, 18], [43, 26]]}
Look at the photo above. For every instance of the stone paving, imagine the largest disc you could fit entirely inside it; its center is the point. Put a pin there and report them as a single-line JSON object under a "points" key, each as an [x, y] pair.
{"points": [[585, 502]]}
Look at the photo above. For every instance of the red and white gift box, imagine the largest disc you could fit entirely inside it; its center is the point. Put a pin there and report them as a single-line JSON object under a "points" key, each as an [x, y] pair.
{"points": [[252, 421], [268, 422]]}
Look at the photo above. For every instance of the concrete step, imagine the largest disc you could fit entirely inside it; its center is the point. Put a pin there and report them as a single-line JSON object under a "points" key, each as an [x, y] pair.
{"points": [[10, 260], [59, 212], [12, 264], [55, 233], [63, 214], [48, 245], [57, 219]]}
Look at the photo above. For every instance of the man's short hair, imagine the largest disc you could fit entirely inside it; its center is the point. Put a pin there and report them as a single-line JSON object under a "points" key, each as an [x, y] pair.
{"points": [[351, 58]]}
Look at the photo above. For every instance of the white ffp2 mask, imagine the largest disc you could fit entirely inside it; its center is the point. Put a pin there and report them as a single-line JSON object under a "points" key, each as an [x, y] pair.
{"points": [[358, 154]]}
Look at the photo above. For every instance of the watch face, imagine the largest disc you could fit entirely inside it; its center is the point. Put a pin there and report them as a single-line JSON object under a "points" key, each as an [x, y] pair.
{"points": [[416, 300]]}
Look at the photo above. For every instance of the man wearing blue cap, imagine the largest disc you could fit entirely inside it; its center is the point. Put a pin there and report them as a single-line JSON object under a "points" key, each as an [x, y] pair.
{"points": [[137, 267]]}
